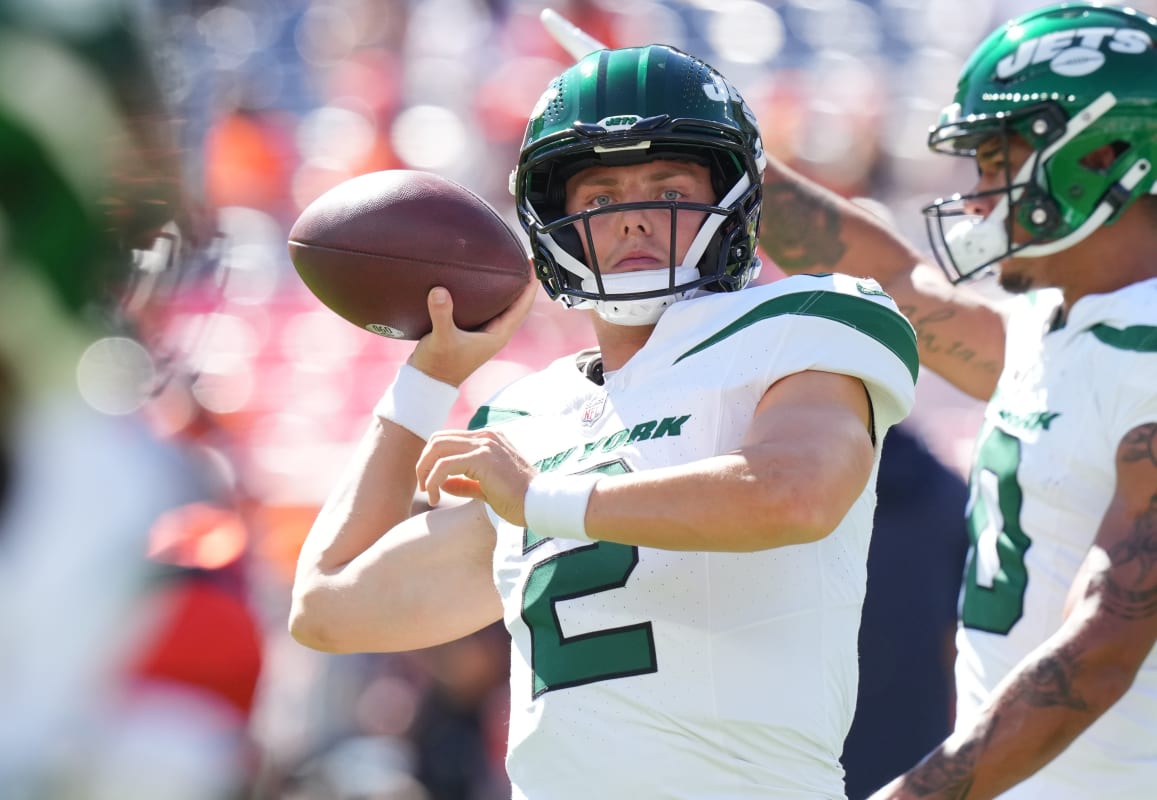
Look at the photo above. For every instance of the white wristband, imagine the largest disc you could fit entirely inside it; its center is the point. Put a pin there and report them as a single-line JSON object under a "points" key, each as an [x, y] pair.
{"points": [[556, 505], [417, 402]]}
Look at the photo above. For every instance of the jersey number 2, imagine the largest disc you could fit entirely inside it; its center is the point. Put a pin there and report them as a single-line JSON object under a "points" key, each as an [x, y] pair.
{"points": [[560, 661], [996, 577]]}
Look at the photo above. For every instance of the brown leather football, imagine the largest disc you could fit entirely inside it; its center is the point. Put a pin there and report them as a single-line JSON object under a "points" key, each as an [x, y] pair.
{"points": [[372, 247]]}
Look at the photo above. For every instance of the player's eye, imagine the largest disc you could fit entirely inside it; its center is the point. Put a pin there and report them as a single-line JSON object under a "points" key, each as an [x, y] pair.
{"points": [[990, 168], [671, 195], [601, 200]]}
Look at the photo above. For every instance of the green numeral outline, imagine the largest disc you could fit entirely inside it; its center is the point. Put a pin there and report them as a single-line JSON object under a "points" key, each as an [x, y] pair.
{"points": [[996, 577], [558, 661]]}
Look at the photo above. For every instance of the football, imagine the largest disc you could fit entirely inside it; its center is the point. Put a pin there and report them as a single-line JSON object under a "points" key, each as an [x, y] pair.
{"points": [[372, 247]]}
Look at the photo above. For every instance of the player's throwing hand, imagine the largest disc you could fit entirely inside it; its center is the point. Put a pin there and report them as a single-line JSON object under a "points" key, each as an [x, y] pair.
{"points": [[480, 465]]}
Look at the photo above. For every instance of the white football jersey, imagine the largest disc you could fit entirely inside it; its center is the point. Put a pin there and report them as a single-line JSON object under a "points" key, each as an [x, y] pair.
{"points": [[1043, 475], [641, 672]]}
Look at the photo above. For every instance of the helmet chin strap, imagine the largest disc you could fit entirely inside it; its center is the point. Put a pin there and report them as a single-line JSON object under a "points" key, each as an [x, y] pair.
{"points": [[639, 312]]}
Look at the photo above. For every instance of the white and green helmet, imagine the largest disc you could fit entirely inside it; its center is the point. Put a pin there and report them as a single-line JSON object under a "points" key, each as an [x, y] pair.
{"points": [[628, 106], [1069, 79]]}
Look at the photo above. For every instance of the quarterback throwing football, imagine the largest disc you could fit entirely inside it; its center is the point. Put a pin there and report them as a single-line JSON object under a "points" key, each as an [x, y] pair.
{"points": [[673, 526]]}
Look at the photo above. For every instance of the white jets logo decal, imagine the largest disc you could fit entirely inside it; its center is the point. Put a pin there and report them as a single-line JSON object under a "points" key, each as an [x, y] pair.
{"points": [[620, 122], [1074, 53], [720, 90]]}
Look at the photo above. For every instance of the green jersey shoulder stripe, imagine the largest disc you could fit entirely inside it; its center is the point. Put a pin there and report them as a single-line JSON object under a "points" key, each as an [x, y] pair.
{"points": [[488, 417], [883, 324], [1139, 338]]}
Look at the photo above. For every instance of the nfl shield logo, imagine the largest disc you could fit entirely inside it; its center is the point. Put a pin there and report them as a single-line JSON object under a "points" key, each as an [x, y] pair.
{"points": [[593, 410]]}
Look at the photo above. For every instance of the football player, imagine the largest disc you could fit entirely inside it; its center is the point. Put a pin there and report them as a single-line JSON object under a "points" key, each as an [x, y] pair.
{"points": [[1056, 670], [673, 525]]}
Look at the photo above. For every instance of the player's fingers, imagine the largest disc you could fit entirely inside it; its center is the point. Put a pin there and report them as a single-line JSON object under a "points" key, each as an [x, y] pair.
{"points": [[443, 444], [441, 307], [463, 487], [433, 496], [512, 317], [443, 470], [440, 445]]}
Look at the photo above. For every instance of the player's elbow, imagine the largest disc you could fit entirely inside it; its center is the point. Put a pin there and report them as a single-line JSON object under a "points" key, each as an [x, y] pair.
{"points": [[791, 515], [810, 504], [813, 516], [313, 621]]}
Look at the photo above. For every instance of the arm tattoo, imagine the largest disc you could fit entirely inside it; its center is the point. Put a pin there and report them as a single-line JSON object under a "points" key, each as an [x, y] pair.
{"points": [[1141, 445], [799, 229], [1137, 598], [1130, 604], [927, 331], [941, 777], [1050, 682], [1047, 683], [949, 777]]}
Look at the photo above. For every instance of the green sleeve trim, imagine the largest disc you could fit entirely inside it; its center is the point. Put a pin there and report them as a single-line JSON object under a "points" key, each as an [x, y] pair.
{"points": [[870, 318], [488, 417], [1138, 338]]}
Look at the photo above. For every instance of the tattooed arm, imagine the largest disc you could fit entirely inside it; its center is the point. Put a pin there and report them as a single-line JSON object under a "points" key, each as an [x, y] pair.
{"points": [[807, 228], [1061, 688]]}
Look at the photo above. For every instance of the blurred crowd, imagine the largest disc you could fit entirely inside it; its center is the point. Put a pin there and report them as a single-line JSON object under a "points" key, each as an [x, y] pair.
{"points": [[264, 391]]}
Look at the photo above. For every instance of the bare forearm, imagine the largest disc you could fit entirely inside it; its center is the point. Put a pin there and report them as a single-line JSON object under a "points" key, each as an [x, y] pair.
{"points": [[805, 462], [722, 508], [781, 493], [1036, 712], [374, 493]]}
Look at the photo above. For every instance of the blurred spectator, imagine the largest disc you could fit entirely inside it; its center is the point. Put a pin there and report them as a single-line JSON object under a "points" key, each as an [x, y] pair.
{"points": [[109, 687], [249, 162], [906, 696]]}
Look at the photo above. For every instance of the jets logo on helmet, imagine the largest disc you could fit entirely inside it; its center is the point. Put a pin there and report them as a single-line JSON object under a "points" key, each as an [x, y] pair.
{"points": [[620, 123], [1074, 53]]}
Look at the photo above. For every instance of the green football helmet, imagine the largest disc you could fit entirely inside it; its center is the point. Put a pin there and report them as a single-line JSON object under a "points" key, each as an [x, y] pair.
{"points": [[98, 203], [629, 106], [1069, 79]]}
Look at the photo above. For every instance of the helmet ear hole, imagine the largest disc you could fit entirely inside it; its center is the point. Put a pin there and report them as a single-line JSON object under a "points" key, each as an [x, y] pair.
{"points": [[1102, 158]]}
